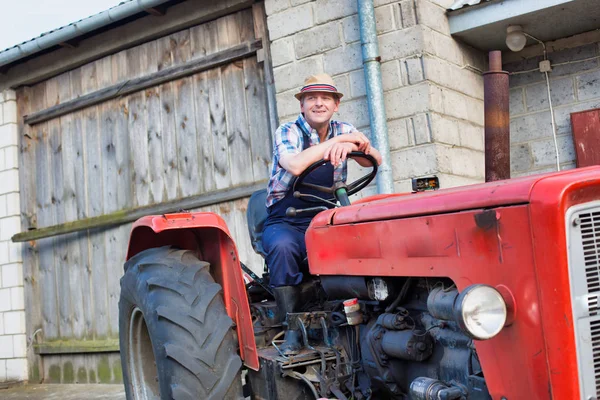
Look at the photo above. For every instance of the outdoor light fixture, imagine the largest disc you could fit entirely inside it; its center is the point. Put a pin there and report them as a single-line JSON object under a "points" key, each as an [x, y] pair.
{"points": [[515, 38]]}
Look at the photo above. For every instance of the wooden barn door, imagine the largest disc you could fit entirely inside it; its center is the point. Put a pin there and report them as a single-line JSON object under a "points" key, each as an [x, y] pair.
{"points": [[189, 136]]}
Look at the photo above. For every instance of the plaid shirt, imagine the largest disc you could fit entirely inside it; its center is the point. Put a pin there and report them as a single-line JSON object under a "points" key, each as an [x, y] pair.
{"points": [[289, 139]]}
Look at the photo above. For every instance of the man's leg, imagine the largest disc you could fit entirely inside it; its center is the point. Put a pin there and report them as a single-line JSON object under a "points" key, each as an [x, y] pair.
{"points": [[286, 249]]}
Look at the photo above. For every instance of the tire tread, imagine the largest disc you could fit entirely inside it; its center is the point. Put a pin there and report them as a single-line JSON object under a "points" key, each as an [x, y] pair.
{"points": [[195, 341]]}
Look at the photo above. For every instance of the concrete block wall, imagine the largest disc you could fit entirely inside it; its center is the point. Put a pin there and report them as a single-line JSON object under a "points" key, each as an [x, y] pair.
{"points": [[13, 341], [433, 87], [574, 86]]}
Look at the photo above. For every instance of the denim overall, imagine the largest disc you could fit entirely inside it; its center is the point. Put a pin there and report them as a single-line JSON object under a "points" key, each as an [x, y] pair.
{"points": [[283, 237]]}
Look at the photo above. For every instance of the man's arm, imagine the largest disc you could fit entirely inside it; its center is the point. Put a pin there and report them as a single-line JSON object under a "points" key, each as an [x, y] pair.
{"points": [[372, 152], [363, 144], [341, 145], [295, 164]]}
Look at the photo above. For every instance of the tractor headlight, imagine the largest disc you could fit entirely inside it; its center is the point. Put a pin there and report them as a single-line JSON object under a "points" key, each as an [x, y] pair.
{"points": [[480, 311]]}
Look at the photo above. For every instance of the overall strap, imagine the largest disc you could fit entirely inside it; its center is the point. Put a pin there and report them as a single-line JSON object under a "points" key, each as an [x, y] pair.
{"points": [[305, 136]]}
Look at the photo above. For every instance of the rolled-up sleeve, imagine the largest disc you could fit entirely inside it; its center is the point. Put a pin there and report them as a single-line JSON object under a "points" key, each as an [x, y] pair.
{"points": [[345, 127]]}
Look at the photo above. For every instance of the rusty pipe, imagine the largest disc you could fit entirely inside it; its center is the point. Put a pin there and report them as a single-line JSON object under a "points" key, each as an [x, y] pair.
{"points": [[497, 120]]}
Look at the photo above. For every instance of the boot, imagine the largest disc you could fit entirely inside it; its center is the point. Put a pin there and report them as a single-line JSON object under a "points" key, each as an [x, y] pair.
{"points": [[287, 299]]}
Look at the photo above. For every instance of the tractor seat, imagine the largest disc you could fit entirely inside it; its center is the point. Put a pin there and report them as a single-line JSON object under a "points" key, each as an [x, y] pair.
{"points": [[256, 216]]}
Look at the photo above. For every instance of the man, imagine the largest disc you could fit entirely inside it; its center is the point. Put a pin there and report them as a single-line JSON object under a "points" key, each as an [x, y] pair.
{"points": [[312, 137]]}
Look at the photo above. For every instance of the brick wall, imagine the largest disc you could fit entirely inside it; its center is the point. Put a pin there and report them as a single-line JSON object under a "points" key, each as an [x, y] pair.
{"points": [[574, 85], [432, 85], [13, 342]]}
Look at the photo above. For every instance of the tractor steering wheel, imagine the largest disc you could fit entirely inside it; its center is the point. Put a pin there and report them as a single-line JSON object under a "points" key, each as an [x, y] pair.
{"points": [[350, 189]]}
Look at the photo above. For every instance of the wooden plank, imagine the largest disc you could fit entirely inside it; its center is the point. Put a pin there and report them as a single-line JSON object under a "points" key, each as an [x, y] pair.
{"points": [[256, 100], [75, 175], [167, 116], [68, 283], [77, 346], [138, 137], [156, 11], [222, 172], [129, 215], [261, 143], [124, 178], [93, 97], [261, 31], [586, 137], [155, 134], [91, 365], [185, 120], [61, 86], [80, 370], [108, 137], [31, 276], [95, 207], [253, 260], [239, 208], [202, 107], [238, 137], [44, 200], [52, 374], [224, 210]]}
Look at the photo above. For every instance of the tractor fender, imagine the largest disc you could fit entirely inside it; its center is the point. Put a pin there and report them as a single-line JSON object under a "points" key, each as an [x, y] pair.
{"points": [[206, 234]]}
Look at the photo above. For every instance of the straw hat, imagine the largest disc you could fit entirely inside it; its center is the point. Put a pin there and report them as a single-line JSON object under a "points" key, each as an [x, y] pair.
{"points": [[318, 83]]}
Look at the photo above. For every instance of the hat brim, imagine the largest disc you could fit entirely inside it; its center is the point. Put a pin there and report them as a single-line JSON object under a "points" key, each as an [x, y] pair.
{"points": [[300, 94]]}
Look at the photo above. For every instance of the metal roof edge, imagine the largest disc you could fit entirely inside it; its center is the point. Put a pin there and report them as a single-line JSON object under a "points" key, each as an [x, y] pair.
{"points": [[76, 29], [463, 20], [460, 5]]}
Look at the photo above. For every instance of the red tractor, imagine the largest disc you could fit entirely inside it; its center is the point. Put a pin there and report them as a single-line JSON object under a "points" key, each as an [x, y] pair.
{"points": [[478, 292]]}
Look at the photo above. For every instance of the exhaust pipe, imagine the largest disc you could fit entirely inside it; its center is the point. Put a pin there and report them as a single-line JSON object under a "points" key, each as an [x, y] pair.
{"points": [[497, 120]]}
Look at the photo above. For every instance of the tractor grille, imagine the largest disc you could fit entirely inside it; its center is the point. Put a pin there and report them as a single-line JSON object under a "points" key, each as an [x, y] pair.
{"points": [[583, 239], [595, 334]]}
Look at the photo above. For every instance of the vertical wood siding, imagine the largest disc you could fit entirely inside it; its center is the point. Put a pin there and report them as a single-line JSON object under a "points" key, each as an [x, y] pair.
{"points": [[197, 134]]}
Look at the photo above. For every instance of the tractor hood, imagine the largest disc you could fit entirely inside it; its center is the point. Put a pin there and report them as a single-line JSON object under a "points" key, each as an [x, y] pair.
{"points": [[485, 195]]}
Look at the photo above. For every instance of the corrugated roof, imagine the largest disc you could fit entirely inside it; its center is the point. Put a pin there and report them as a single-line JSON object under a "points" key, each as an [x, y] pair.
{"points": [[458, 4]]}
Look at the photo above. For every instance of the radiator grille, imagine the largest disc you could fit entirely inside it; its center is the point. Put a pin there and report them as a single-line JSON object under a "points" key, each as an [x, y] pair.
{"points": [[593, 305], [583, 240], [590, 239], [595, 333]]}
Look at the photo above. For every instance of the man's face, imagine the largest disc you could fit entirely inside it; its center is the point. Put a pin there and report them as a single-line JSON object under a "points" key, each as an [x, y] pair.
{"points": [[318, 107]]}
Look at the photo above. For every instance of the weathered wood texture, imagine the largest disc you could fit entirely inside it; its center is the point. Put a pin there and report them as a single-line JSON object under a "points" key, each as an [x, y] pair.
{"points": [[83, 368], [132, 214], [31, 272], [178, 140], [147, 81]]}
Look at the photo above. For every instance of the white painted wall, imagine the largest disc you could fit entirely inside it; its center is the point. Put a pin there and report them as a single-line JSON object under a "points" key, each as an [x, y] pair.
{"points": [[13, 341]]}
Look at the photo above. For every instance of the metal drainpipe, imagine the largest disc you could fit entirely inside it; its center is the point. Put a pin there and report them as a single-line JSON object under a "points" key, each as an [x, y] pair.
{"points": [[497, 120], [378, 121]]}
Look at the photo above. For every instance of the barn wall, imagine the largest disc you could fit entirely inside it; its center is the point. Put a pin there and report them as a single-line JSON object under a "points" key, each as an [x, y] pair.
{"points": [[190, 136]]}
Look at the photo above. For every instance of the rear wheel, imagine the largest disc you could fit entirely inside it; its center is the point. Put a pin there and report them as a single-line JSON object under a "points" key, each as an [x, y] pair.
{"points": [[175, 335]]}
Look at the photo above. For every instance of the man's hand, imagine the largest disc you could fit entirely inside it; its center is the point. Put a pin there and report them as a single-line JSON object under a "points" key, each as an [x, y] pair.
{"points": [[361, 141], [337, 152]]}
